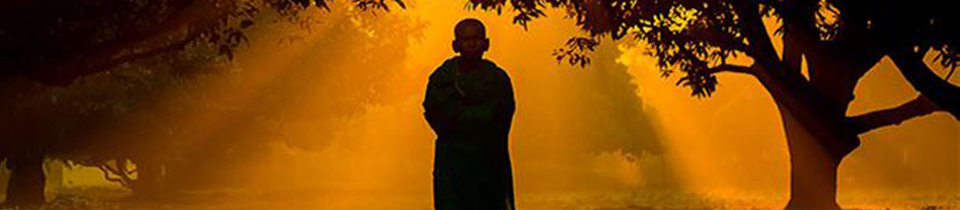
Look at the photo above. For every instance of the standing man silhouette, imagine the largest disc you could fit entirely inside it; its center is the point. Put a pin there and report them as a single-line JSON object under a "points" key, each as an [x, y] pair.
{"points": [[469, 104]]}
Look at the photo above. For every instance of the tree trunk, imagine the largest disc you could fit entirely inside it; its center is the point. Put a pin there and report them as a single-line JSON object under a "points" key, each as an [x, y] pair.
{"points": [[26, 184], [813, 174]]}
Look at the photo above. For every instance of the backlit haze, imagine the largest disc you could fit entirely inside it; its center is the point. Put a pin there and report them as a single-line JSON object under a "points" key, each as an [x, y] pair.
{"points": [[615, 134]]}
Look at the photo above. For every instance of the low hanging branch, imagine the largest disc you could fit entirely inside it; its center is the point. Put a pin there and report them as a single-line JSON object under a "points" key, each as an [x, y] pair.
{"points": [[894, 116]]}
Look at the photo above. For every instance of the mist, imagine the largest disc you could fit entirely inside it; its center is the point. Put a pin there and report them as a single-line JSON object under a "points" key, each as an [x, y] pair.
{"points": [[328, 115]]}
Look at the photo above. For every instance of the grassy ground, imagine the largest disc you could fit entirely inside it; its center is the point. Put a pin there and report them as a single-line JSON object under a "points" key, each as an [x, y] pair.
{"points": [[119, 199]]}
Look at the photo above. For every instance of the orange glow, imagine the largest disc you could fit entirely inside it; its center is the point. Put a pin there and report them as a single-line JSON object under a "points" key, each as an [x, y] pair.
{"points": [[727, 150]]}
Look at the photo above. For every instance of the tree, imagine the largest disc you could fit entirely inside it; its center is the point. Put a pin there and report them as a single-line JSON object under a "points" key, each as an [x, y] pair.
{"points": [[56, 43], [60, 41], [840, 40], [612, 115]]}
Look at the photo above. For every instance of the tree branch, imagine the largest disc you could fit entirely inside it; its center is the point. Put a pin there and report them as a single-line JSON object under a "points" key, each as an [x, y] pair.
{"points": [[941, 92], [761, 46], [107, 170], [800, 34], [189, 17], [175, 46], [730, 68], [894, 116], [721, 39]]}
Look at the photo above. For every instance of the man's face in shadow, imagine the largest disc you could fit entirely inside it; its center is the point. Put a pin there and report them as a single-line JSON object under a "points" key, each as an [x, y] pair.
{"points": [[470, 39]]}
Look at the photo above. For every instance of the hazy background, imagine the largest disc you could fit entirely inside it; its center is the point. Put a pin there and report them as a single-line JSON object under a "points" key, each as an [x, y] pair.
{"points": [[615, 134]]}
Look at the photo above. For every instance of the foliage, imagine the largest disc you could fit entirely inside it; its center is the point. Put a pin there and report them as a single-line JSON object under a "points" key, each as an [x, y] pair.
{"points": [[159, 108], [840, 41], [57, 42], [698, 37]]}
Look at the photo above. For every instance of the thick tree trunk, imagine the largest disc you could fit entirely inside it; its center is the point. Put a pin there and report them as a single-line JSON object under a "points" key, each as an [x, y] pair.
{"points": [[813, 170], [26, 184]]}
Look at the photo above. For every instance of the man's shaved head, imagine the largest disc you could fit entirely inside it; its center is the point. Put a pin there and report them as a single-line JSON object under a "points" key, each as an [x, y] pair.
{"points": [[470, 39], [469, 25]]}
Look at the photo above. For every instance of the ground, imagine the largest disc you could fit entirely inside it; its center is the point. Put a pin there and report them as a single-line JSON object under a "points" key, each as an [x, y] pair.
{"points": [[102, 198]]}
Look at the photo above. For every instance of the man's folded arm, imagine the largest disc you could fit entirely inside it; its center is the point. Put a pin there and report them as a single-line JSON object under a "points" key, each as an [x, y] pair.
{"points": [[440, 114]]}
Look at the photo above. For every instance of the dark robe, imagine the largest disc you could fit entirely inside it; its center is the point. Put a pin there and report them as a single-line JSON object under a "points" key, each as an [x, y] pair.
{"points": [[471, 114]]}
